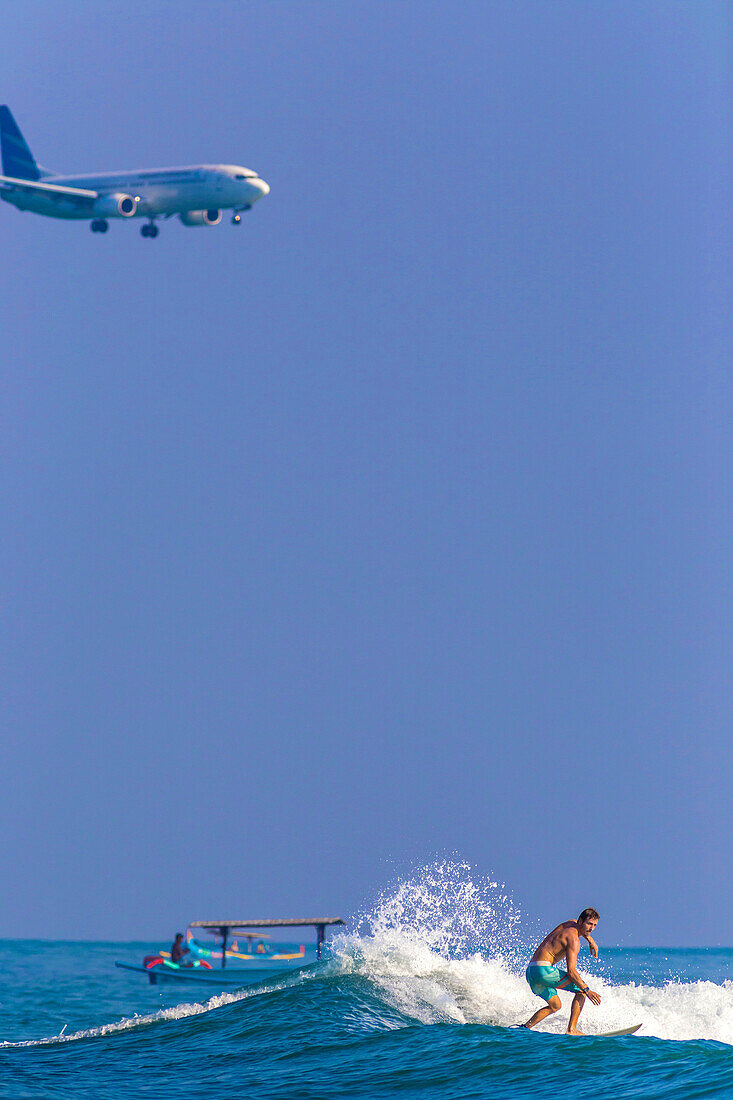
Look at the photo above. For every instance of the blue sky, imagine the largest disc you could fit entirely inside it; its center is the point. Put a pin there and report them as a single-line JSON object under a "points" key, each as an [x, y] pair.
{"points": [[397, 520]]}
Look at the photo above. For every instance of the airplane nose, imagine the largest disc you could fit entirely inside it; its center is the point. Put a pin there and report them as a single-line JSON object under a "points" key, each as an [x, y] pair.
{"points": [[261, 187]]}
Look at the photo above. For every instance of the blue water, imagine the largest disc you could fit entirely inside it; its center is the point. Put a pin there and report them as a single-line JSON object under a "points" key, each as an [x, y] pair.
{"points": [[407, 1005]]}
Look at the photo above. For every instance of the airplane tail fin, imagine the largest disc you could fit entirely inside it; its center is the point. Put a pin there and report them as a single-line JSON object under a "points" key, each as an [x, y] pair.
{"points": [[18, 160]]}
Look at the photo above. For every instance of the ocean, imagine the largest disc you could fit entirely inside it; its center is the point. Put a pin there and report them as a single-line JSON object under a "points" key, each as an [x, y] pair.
{"points": [[417, 1000]]}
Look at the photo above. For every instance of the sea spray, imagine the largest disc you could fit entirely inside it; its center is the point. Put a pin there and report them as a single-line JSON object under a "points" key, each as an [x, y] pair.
{"points": [[441, 944], [449, 907]]}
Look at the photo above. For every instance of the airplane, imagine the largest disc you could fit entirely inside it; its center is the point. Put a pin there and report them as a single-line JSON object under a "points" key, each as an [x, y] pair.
{"points": [[197, 193]]}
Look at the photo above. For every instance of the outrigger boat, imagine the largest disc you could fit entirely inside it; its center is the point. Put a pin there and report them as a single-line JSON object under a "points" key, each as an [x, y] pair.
{"points": [[228, 963]]}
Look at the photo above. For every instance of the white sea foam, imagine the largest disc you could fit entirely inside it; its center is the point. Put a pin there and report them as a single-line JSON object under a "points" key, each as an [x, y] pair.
{"points": [[430, 988], [419, 948]]}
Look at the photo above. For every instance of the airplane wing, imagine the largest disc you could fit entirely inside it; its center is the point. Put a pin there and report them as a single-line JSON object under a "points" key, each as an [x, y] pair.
{"points": [[51, 190]]}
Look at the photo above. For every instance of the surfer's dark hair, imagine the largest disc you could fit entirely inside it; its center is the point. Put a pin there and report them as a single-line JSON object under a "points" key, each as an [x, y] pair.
{"points": [[588, 914]]}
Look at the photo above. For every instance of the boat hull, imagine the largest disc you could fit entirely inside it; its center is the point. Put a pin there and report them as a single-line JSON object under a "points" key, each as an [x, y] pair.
{"points": [[241, 974]]}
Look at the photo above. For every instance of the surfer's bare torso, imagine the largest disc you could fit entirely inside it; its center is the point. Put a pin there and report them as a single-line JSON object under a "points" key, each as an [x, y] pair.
{"points": [[556, 944]]}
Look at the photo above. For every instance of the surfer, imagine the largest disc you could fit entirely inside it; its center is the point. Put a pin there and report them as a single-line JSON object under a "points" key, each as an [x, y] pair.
{"points": [[545, 978]]}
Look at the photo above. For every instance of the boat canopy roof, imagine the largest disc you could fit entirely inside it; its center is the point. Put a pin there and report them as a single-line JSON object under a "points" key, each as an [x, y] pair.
{"points": [[273, 922], [248, 933]]}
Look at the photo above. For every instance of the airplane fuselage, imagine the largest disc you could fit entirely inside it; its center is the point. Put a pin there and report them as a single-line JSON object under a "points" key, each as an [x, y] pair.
{"points": [[197, 193], [159, 192]]}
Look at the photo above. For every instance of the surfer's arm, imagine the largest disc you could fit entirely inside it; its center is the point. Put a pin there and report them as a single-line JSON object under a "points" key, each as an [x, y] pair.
{"points": [[593, 946], [572, 957]]}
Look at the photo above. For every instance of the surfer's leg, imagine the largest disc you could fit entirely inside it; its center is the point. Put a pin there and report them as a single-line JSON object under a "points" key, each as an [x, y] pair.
{"points": [[575, 1009], [542, 1013], [567, 983]]}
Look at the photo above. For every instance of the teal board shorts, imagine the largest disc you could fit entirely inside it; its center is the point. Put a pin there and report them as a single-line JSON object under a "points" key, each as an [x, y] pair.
{"points": [[543, 979]]}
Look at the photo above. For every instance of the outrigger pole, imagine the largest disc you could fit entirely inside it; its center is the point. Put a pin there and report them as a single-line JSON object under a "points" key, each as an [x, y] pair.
{"points": [[225, 927]]}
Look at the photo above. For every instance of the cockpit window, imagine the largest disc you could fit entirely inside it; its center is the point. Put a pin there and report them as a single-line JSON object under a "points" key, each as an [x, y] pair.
{"points": [[245, 176]]}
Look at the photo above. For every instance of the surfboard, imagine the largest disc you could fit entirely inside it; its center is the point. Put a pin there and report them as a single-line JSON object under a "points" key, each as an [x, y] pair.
{"points": [[615, 1034], [584, 1034]]}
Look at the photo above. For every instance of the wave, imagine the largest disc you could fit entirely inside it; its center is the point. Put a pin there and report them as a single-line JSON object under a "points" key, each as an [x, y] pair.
{"points": [[444, 946], [131, 1023]]}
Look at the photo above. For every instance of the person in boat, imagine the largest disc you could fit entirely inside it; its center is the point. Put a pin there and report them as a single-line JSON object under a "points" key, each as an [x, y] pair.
{"points": [[545, 978], [179, 951]]}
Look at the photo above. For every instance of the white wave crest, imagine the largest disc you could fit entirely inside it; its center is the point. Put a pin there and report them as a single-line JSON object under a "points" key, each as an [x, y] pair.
{"points": [[426, 940], [429, 988], [130, 1023]]}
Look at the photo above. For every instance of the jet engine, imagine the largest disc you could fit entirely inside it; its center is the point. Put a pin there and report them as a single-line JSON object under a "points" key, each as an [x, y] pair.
{"points": [[117, 205], [201, 217]]}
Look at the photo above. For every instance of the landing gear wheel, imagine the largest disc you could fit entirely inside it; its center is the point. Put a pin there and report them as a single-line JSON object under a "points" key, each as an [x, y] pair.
{"points": [[150, 230], [154, 231], [99, 225]]}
